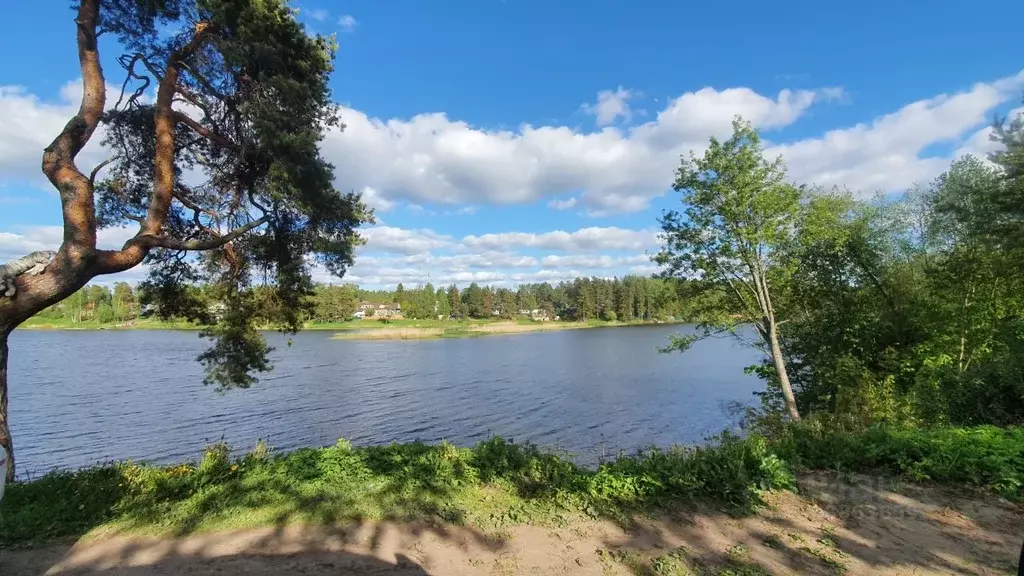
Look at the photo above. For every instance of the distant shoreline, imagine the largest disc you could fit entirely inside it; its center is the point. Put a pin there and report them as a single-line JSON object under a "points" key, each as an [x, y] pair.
{"points": [[471, 330], [361, 329]]}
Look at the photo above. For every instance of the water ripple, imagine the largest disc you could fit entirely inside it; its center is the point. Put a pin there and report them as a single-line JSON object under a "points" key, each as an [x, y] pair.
{"points": [[590, 392]]}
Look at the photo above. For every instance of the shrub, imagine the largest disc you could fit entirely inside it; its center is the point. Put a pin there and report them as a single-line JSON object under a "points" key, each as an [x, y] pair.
{"points": [[985, 456], [730, 470]]}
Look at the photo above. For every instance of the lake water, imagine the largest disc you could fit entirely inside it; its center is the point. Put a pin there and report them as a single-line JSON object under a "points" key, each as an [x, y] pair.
{"points": [[78, 398]]}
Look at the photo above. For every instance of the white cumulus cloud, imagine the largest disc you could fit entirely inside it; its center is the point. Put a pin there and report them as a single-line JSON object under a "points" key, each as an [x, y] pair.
{"points": [[611, 104], [885, 154], [30, 123], [372, 198], [562, 204], [318, 14], [347, 22], [582, 240], [432, 158], [401, 241]]}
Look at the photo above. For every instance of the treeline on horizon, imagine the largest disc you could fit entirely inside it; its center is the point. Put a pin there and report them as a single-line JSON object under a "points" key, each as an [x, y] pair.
{"points": [[626, 299]]}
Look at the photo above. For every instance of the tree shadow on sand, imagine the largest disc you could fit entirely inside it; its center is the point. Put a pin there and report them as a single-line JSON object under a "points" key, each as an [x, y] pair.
{"points": [[415, 506], [849, 524], [265, 506], [212, 554]]}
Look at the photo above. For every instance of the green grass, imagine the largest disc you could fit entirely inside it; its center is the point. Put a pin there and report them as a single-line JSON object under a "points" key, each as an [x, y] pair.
{"points": [[986, 456], [680, 562], [42, 323], [373, 323], [494, 484], [369, 329]]}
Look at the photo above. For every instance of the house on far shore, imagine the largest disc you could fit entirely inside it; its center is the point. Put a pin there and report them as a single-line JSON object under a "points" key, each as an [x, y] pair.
{"points": [[371, 310], [537, 314], [217, 309]]}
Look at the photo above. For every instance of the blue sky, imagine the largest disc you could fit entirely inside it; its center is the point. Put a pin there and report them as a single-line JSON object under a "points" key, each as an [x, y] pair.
{"points": [[507, 141]]}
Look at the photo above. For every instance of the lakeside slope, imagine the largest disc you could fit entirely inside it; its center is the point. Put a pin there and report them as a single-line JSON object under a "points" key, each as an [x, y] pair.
{"points": [[731, 507], [859, 525]]}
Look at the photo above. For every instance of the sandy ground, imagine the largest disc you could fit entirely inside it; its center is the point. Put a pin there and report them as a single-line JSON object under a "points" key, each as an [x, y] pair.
{"points": [[394, 333], [858, 526], [413, 332], [513, 328]]}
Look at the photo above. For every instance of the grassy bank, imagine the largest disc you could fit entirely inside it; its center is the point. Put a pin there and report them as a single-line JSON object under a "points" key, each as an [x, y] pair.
{"points": [[493, 484], [986, 457], [367, 329], [430, 329], [41, 323]]}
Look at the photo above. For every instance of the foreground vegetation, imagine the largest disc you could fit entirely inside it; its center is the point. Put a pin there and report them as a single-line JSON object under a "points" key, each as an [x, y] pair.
{"points": [[493, 484]]}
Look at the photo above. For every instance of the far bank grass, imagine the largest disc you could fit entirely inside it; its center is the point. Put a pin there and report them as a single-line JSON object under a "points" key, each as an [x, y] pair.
{"points": [[432, 329], [41, 323], [368, 329], [492, 485]]}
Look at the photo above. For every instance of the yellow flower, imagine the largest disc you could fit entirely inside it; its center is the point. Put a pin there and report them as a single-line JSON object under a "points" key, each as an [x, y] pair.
{"points": [[234, 467]]}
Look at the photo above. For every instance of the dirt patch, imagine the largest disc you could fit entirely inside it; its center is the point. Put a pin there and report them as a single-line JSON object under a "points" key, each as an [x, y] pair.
{"points": [[396, 333], [513, 328], [850, 525]]}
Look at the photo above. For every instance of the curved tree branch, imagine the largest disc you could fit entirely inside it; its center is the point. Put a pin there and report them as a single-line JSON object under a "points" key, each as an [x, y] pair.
{"points": [[164, 120], [198, 128], [135, 249], [129, 65], [100, 166], [59, 157], [209, 244], [206, 84], [182, 193]]}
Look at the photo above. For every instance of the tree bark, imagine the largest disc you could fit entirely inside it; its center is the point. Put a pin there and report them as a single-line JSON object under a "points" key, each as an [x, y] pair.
{"points": [[75, 263], [78, 260], [764, 302], [780, 370], [5, 430], [34, 293]]}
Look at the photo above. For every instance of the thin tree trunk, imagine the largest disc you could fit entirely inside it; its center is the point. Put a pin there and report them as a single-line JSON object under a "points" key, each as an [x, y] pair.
{"points": [[780, 369], [964, 325], [5, 431], [764, 302]]}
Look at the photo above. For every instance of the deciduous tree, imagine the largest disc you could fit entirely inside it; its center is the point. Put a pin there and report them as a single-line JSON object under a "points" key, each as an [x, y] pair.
{"points": [[740, 212]]}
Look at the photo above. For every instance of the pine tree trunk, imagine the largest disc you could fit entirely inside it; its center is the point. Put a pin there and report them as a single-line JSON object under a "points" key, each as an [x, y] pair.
{"points": [[780, 369], [5, 431]]}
